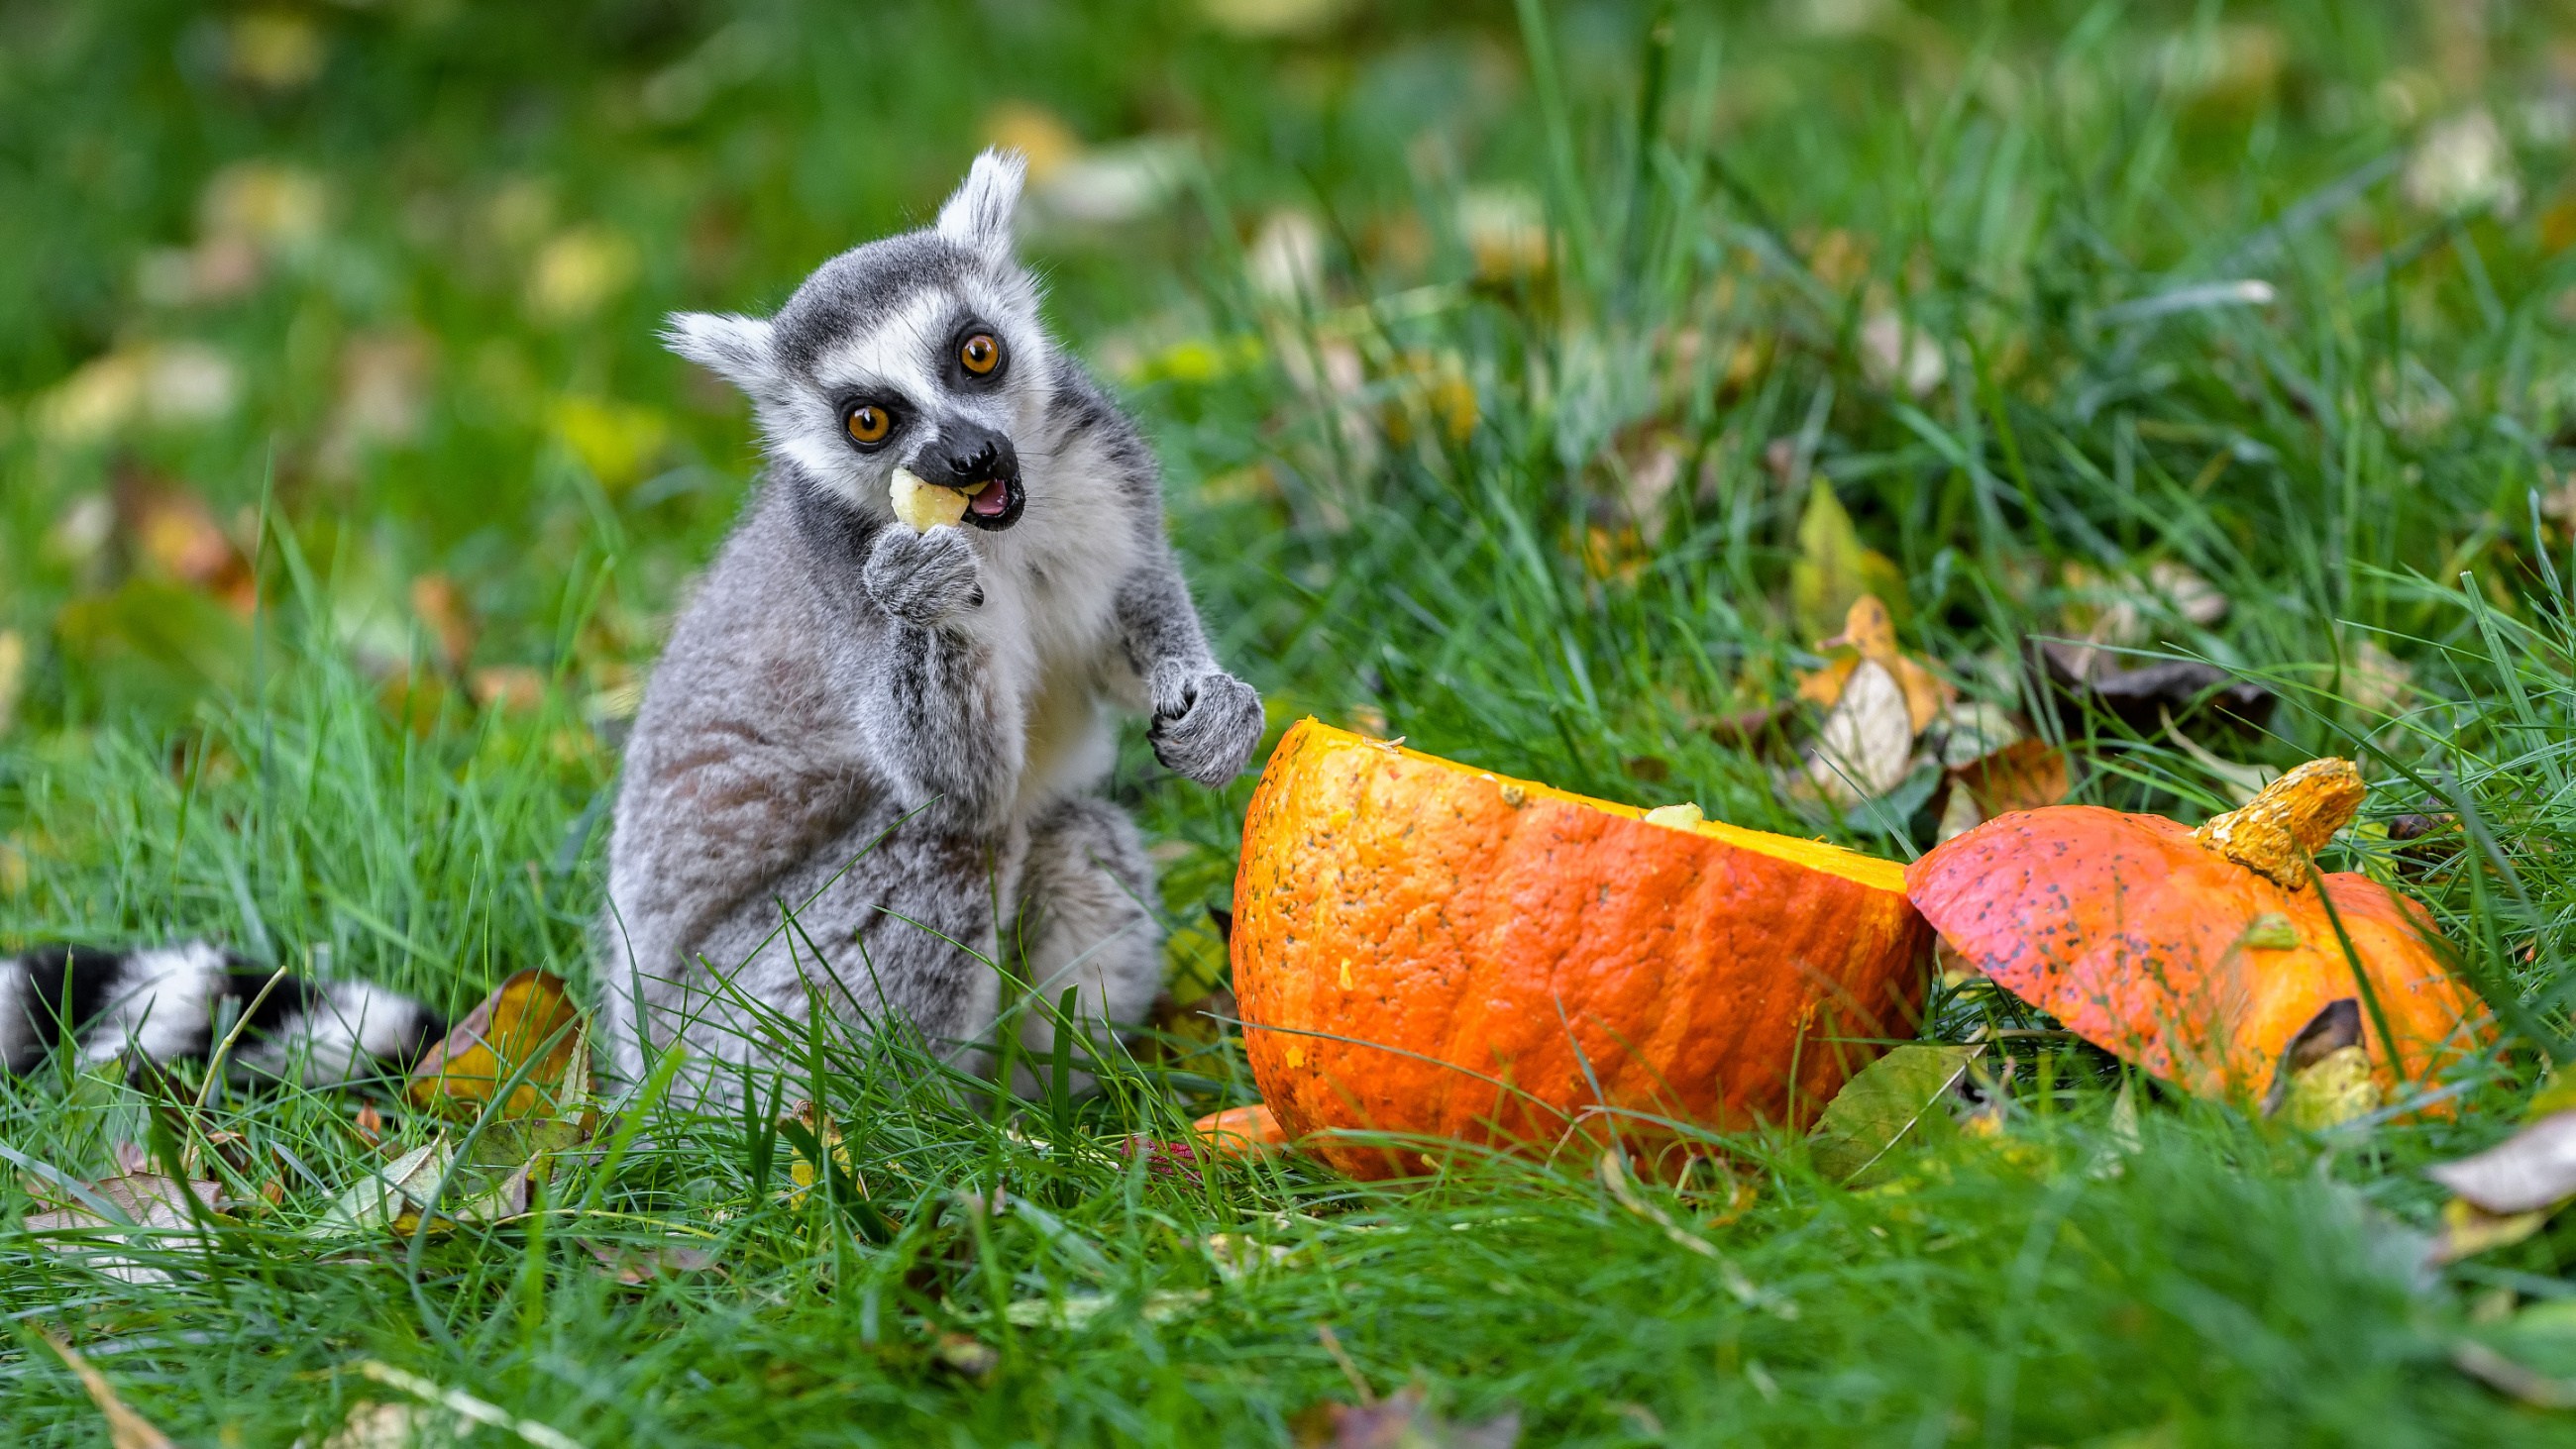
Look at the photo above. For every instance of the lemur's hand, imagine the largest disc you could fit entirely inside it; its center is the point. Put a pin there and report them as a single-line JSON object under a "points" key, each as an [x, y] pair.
{"points": [[923, 578], [1205, 724]]}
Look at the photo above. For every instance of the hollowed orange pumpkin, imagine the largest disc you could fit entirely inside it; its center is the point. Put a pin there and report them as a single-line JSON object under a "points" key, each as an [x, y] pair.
{"points": [[2200, 956], [1426, 949]]}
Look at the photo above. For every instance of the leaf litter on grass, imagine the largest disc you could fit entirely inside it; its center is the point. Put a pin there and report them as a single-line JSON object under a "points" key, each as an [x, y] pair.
{"points": [[1884, 1104], [513, 1080], [92, 1222], [1404, 1420]]}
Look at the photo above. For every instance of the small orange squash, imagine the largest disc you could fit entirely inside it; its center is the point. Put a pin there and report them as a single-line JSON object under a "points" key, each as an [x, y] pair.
{"points": [[2201, 956], [1429, 950]]}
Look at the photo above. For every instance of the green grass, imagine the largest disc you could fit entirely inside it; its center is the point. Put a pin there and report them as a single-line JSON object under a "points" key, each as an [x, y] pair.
{"points": [[1738, 201]]}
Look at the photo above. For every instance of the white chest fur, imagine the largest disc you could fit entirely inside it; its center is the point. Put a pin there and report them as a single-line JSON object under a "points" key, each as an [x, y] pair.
{"points": [[1050, 609]]}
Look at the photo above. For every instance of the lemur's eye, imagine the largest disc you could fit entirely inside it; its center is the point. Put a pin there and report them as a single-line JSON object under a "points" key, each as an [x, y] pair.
{"points": [[868, 423], [981, 354]]}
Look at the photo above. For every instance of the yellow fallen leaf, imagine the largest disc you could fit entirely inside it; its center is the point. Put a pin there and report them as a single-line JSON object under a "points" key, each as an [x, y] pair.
{"points": [[2468, 1230], [1870, 631], [819, 1128], [528, 1021], [1824, 687]]}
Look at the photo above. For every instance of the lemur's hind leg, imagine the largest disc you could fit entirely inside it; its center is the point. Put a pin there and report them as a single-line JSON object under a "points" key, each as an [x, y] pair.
{"points": [[893, 926], [1087, 897]]}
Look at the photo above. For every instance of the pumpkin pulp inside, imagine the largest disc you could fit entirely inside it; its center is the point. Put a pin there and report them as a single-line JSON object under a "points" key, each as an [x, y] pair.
{"points": [[1815, 855]]}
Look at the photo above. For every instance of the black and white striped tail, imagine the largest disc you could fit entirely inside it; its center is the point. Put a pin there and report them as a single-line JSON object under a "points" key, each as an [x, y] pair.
{"points": [[171, 1003]]}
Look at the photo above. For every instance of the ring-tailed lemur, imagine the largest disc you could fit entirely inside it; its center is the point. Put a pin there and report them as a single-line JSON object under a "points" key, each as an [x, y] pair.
{"points": [[867, 749], [167, 1003]]}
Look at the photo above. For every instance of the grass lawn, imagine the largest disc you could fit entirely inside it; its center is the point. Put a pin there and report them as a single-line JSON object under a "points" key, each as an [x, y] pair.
{"points": [[1513, 368]]}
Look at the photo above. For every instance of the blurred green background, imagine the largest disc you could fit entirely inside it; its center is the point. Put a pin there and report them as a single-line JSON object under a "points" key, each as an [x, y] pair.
{"points": [[1536, 381], [396, 267]]}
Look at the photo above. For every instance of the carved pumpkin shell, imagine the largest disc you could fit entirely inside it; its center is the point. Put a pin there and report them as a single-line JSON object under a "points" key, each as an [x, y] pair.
{"points": [[1431, 951]]}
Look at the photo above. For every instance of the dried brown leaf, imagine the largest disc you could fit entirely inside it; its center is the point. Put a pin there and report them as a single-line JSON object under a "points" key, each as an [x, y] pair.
{"points": [[2083, 679], [634, 1263], [2534, 1169], [143, 1208], [1867, 741], [2024, 775], [440, 607], [1404, 1420]]}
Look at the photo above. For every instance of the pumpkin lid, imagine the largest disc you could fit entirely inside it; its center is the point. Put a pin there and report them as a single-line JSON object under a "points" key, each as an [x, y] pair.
{"points": [[2199, 955]]}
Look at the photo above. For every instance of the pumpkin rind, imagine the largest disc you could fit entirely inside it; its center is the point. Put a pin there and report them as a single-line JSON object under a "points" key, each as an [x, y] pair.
{"points": [[2171, 955], [1425, 949]]}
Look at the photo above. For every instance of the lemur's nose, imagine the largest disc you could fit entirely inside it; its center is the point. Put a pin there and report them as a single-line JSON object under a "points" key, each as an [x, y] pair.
{"points": [[967, 453]]}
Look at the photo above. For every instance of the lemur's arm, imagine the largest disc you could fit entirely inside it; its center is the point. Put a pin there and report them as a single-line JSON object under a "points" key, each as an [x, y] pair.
{"points": [[934, 719], [1206, 722]]}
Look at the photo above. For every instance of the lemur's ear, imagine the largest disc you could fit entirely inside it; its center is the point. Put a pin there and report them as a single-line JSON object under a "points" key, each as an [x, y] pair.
{"points": [[733, 348], [978, 217]]}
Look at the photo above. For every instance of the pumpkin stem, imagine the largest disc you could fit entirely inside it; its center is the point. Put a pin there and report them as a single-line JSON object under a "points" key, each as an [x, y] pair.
{"points": [[2274, 833]]}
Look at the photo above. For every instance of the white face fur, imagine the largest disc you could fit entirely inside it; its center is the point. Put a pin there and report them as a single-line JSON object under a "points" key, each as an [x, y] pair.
{"points": [[878, 338]]}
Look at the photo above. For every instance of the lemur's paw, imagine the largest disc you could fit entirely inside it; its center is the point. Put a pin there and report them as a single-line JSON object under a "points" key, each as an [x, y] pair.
{"points": [[923, 578], [1205, 725]]}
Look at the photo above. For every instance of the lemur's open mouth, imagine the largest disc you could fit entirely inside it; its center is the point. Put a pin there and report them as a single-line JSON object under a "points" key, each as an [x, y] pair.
{"points": [[995, 505]]}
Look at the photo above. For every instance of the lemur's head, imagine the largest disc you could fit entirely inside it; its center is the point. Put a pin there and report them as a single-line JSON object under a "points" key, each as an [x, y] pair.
{"points": [[922, 351]]}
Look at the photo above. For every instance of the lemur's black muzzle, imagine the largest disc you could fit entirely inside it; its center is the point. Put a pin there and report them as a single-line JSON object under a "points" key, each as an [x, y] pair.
{"points": [[975, 459]]}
